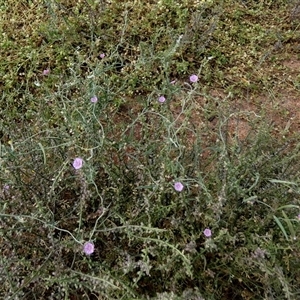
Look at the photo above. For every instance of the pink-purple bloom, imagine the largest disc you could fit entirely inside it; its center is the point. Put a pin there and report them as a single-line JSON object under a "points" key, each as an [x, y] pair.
{"points": [[161, 99], [207, 232], [102, 55], [178, 186], [77, 163], [193, 78], [259, 253], [298, 217], [94, 99], [88, 248], [46, 72]]}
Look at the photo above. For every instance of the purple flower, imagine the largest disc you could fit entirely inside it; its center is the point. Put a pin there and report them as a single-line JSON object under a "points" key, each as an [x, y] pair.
{"points": [[207, 232], [178, 186], [259, 253], [88, 248], [102, 55], [173, 81], [6, 187], [298, 217], [94, 99], [193, 78], [161, 99], [77, 163], [46, 72]]}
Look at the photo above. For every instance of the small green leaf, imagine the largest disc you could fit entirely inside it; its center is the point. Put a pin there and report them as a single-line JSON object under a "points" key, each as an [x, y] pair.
{"points": [[281, 227]]}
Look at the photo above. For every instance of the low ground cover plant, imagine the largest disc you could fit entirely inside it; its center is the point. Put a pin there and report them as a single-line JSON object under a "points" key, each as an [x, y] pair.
{"points": [[149, 150]]}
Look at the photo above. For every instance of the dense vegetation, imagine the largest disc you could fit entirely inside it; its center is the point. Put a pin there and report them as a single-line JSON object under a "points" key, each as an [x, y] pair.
{"points": [[149, 149]]}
